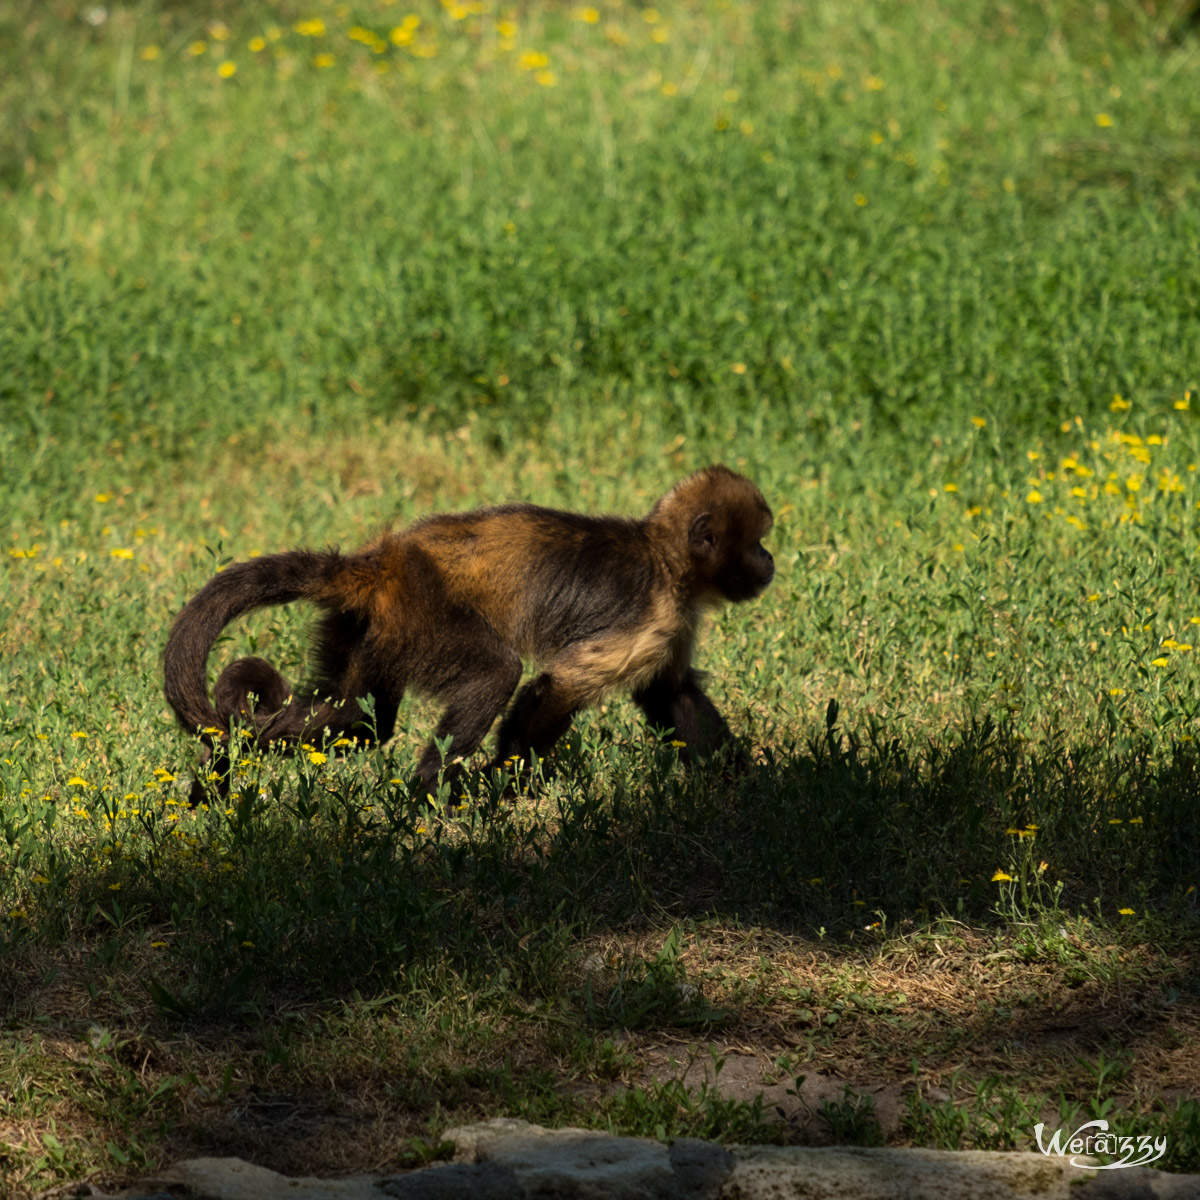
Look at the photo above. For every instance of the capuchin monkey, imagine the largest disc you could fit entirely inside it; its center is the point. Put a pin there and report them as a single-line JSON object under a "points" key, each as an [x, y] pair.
{"points": [[450, 607]]}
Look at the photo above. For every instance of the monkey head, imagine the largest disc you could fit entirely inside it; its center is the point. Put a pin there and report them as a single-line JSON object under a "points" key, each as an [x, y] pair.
{"points": [[724, 519]]}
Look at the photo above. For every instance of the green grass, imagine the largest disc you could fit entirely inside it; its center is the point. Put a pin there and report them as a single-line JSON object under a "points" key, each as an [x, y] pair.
{"points": [[933, 282]]}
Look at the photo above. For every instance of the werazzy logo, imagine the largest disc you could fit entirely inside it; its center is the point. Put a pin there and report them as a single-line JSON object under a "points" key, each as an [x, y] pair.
{"points": [[1126, 1151]]}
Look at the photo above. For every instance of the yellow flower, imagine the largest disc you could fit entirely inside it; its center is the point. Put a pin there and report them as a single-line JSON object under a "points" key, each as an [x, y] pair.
{"points": [[1002, 877], [195, 50], [226, 71], [1126, 912], [317, 758], [1159, 662], [149, 53], [1034, 497], [979, 422], [533, 60], [258, 44], [546, 78], [75, 781], [738, 368], [951, 487], [588, 15], [104, 497], [1104, 120], [324, 60], [313, 28], [1119, 404]]}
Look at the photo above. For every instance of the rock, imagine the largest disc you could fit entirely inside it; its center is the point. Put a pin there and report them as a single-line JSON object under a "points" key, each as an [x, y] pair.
{"points": [[532, 1161], [233, 1179], [847, 1173], [513, 1160]]}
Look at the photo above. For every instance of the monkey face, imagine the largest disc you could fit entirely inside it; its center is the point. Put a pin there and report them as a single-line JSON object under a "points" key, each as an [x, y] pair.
{"points": [[727, 550], [745, 571]]}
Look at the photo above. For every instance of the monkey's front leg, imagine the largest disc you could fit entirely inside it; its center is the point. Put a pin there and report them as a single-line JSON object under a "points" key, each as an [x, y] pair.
{"points": [[685, 708]]}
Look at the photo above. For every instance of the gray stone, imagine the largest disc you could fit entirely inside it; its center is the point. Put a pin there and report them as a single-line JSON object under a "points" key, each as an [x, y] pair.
{"points": [[595, 1166], [513, 1160], [845, 1173], [233, 1179]]}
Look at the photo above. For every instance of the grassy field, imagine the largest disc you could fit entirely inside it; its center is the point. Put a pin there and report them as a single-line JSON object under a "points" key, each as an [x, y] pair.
{"points": [[280, 274]]}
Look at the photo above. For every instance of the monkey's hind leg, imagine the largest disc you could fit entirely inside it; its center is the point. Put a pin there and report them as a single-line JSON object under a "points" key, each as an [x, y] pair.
{"points": [[473, 702]]}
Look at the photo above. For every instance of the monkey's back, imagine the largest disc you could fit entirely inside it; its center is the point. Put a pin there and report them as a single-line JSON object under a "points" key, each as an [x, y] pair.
{"points": [[541, 578]]}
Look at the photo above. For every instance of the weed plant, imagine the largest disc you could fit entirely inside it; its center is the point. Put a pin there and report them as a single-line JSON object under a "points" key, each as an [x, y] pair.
{"points": [[281, 273]]}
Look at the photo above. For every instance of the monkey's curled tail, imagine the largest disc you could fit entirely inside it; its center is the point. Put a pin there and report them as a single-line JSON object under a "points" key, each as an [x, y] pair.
{"points": [[240, 588]]}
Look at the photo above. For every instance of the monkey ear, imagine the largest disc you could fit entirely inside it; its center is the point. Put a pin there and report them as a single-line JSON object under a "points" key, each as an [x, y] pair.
{"points": [[702, 541]]}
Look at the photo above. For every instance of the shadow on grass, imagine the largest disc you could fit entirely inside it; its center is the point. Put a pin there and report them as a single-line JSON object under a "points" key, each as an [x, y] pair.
{"points": [[835, 908], [321, 885]]}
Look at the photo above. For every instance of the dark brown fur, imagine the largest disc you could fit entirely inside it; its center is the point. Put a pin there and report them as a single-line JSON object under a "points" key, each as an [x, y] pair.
{"points": [[450, 607]]}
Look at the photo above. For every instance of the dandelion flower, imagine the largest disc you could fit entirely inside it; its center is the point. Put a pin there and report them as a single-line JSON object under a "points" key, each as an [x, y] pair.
{"points": [[1002, 877], [226, 71]]}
